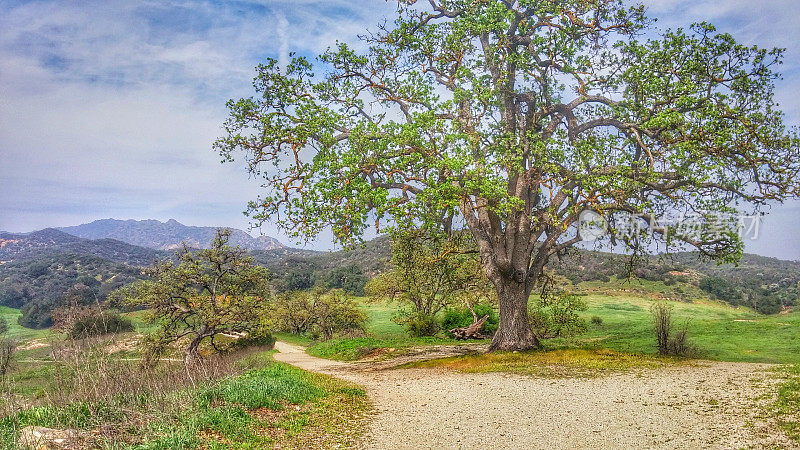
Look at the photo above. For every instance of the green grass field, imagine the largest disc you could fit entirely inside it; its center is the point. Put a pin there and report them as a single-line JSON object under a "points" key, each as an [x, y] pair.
{"points": [[17, 331], [719, 331], [382, 334]]}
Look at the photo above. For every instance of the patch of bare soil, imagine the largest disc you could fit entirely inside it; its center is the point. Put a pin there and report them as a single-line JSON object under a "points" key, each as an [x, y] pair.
{"points": [[123, 345], [34, 344], [708, 405]]}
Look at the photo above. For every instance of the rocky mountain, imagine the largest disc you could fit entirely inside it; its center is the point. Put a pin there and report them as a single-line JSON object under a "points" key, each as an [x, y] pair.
{"points": [[49, 241], [167, 235]]}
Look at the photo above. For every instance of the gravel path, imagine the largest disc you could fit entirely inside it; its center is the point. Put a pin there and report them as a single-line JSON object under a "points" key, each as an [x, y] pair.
{"points": [[711, 405]]}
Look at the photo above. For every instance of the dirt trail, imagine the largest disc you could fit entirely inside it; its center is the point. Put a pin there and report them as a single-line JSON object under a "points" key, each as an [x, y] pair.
{"points": [[706, 406]]}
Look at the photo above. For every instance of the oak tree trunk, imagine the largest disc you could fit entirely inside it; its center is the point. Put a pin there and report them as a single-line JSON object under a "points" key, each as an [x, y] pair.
{"points": [[514, 331], [192, 356]]}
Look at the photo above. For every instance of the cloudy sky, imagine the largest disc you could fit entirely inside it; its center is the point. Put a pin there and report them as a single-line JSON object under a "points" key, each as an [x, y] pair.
{"points": [[109, 108]]}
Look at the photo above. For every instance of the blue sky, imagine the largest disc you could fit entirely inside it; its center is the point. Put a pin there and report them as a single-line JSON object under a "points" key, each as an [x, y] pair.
{"points": [[109, 108]]}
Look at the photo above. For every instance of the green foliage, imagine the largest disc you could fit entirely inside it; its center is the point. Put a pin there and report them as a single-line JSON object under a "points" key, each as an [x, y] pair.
{"points": [[430, 272], [721, 289], [597, 320], [418, 323], [298, 280], [462, 317], [67, 278], [348, 278], [318, 312], [3, 325], [757, 297], [557, 316], [260, 339], [336, 312], [103, 322], [208, 293]]}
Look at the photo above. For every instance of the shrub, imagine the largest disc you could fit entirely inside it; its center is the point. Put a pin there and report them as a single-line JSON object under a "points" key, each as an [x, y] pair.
{"points": [[3, 325], [348, 278], [557, 316], [462, 317], [102, 322], [597, 320], [418, 324], [669, 341], [80, 322], [298, 280], [429, 273], [293, 311], [265, 340], [7, 349], [320, 312], [336, 312]]}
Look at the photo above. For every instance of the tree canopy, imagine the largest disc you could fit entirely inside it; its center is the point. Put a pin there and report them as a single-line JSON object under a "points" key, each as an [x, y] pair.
{"points": [[510, 118], [208, 293]]}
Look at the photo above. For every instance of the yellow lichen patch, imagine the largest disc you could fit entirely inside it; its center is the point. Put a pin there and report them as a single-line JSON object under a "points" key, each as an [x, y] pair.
{"points": [[555, 363]]}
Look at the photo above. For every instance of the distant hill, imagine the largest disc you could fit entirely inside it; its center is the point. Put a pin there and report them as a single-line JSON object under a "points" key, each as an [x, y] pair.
{"points": [[39, 284], [767, 285], [39, 270], [167, 235], [372, 258], [50, 240]]}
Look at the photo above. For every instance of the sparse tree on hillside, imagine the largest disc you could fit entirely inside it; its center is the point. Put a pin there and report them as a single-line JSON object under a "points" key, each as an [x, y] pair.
{"points": [[208, 293], [511, 117]]}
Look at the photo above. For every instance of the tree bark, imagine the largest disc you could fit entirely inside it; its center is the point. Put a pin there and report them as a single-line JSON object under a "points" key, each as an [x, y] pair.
{"points": [[514, 331], [192, 356]]}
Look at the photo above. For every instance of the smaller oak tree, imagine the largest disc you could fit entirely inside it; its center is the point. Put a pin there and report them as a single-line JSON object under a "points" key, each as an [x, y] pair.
{"points": [[319, 311], [207, 294], [430, 272]]}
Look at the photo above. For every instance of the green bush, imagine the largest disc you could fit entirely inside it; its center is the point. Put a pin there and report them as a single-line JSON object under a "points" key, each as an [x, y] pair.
{"points": [[597, 320], [347, 278], [253, 340], [418, 324], [100, 323], [557, 316], [462, 317]]}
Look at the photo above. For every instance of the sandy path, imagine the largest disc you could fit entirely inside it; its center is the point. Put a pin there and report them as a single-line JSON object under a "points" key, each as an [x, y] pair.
{"points": [[706, 406]]}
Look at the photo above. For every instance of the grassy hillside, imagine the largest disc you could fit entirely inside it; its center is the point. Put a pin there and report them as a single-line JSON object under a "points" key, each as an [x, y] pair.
{"points": [[17, 331], [719, 331]]}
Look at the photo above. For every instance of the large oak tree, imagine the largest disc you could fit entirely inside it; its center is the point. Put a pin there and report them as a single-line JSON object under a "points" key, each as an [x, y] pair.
{"points": [[510, 118]]}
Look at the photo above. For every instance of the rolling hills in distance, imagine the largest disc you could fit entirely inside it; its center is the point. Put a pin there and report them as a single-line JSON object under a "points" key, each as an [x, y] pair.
{"points": [[38, 270]]}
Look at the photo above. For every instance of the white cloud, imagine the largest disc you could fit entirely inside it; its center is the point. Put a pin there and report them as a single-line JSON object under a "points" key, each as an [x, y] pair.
{"points": [[110, 108]]}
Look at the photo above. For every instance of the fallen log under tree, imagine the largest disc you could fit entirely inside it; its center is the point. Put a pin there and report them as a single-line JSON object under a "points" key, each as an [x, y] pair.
{"points": [[472, 331]]}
